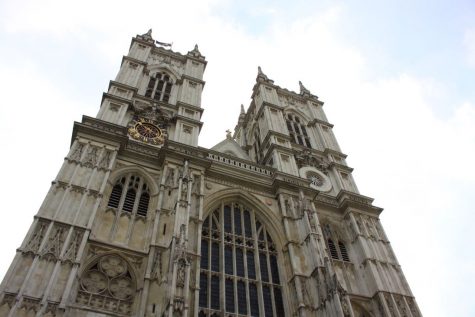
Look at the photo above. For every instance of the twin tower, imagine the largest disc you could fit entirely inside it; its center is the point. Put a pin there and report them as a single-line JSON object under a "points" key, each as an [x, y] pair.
{"points": [[140, 221]]}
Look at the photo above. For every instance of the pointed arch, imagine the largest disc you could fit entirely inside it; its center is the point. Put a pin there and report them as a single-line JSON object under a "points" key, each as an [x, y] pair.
{"points": [[265, 214], [297, 127], [131, 190], [241, 246], [140, 171], [292, 109], [153, 69]]}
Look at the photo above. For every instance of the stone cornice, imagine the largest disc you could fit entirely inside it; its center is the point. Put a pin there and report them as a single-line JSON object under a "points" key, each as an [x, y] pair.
{"points": [[133, 60], [267, 104], [331, 151], [121, 85], [116, 98], [182, 151], [348, 200], [193, 79], [189, 106], [294, 183], [100, 129], [315, 121], [189, 120], [139, 40], [282, 149]]}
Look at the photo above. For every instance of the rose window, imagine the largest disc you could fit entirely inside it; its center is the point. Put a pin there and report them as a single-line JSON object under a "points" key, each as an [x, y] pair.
{"points": [[107, 286]]}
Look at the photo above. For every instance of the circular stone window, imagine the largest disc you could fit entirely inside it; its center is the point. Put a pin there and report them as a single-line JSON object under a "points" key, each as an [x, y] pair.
{"points": [[318, 180]]}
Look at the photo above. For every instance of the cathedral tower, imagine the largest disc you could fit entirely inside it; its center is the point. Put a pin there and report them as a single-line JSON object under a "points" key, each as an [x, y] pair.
{"points": [[140, 221]]}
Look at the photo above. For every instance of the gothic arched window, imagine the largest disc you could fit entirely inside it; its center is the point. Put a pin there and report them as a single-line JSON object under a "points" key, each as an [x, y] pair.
{"points": [[108, 285], [297, 130], [130, 194], [159, 87], [238, 260]]}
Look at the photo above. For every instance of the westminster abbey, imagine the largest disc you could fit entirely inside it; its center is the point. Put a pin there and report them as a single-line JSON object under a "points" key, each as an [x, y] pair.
{"points": [[141, 221]]}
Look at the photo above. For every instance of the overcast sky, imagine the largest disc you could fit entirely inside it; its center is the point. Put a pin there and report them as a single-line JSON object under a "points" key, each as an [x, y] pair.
{"points": [[397, 79]]}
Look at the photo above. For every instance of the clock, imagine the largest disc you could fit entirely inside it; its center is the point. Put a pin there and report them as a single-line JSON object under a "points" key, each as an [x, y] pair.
{"points": [[147, 131]]}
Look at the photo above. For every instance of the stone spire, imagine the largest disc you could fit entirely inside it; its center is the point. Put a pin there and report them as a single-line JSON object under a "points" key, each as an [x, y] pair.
{"points": [[195, 52], [263, 77], [147, 36], [242, 115], [305, 92]]}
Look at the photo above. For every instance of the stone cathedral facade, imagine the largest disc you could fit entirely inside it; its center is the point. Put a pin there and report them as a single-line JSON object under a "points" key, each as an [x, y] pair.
{"points": [[141, 221]]}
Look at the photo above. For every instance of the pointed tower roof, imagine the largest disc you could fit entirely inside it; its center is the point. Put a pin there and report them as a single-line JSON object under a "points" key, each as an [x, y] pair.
{"points": [[304, 91], [231, 147], [147, 37], [196, 53], [262, 77]]}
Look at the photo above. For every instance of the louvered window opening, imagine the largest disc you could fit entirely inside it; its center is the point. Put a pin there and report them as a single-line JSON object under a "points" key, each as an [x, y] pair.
{"points": [[257, 145], [238, 260], [159, 87], [297, 130], [131, 195], [332, 248], [343, 252], [343, 255]]}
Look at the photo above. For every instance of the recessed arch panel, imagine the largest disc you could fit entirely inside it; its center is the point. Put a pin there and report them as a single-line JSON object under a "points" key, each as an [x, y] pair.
{"points": [[239, 271]]}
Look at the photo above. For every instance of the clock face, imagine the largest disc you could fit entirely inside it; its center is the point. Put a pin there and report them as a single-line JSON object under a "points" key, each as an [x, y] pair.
{"points": [[147, 131]]}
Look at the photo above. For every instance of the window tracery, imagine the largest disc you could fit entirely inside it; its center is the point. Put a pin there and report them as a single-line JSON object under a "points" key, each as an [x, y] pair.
{"points": [[130, 194], [108, 285], [298, 132], [159, 87], [239, 260]]}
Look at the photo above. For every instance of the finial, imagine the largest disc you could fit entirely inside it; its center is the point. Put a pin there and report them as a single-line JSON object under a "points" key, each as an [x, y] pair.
{"points": [[303, 90], [148, 35], [262, 77], [228, 134], [242, 109], [195, 52]]}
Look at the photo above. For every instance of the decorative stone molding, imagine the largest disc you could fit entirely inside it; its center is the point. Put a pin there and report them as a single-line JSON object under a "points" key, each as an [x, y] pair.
{"points": [[236, 163], [108, 285], [318, 180], [306, 158]]}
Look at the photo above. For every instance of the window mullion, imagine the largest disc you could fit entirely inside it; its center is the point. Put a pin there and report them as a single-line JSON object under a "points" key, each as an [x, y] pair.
{"points": [[208, 271], [222, 296], [244, 257], [137, 197], [124, 193], [236, 303], [271, 277], [258, 277], [157, 80]]}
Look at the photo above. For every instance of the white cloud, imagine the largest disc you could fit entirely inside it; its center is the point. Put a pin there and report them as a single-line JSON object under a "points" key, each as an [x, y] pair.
{"points": [[469, 43]]}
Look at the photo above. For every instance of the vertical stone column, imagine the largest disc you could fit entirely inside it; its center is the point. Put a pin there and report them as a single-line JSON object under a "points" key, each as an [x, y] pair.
{"points": [[295, 272], [179, 259]]}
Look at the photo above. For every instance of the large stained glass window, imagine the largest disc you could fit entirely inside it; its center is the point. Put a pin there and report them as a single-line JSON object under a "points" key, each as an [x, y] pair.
{"points": [[239, 271]]}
